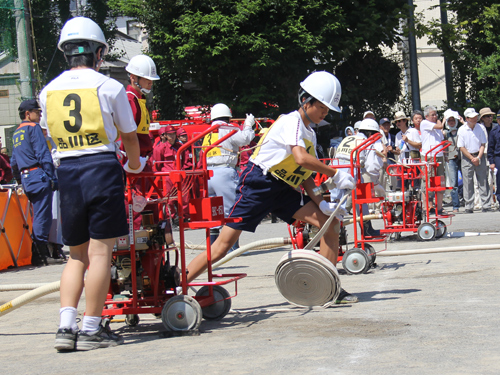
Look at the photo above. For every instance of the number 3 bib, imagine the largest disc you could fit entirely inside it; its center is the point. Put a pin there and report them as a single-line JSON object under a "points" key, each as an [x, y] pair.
{"points": [[74, 119]]}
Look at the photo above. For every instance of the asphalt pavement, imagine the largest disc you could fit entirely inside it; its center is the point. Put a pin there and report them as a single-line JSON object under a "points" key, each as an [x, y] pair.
{"points": [[435, 313]]}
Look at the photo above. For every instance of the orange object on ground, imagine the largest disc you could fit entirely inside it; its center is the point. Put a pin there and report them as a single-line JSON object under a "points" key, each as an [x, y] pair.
{"points": [[15, 229]]}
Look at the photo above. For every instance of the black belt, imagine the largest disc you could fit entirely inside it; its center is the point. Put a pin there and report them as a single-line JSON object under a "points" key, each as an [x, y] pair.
{"points": [[474, 154]]}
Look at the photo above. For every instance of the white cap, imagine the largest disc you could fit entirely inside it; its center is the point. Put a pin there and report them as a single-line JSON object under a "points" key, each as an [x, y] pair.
{"points": [[451, 113], [470, 112], [357, 124], [367, 113]]}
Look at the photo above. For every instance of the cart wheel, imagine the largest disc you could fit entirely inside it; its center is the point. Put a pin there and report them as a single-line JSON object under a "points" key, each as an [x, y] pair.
{"points": [[181, 313], [426, 231], [132, 320], [355, 261], [397, 236], [370, 251], [441, 229], [219, 309]]}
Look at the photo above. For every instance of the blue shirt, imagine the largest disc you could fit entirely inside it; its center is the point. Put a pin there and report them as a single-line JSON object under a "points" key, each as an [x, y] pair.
{"points": [[30, 150], [494, 144]]}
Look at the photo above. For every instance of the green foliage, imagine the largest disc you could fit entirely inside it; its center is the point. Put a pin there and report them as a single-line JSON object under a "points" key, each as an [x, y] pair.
{"points": [[471, 45], [7, 28], [252, 53]]}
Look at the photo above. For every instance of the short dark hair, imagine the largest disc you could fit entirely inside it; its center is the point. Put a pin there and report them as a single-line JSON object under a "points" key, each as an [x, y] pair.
{"points": [[83, 59], [22, 115], [304, 95]]}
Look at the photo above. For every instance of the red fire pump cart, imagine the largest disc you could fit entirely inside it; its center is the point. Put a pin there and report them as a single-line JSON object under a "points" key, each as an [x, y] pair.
{"points": [[145, 278], [404, 211]]}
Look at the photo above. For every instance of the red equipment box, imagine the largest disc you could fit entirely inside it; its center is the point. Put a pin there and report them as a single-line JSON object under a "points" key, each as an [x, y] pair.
{"points": [[206, 209]]}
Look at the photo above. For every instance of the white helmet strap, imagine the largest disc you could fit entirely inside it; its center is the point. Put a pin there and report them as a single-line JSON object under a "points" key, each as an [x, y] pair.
{"points": [[301, 103]]}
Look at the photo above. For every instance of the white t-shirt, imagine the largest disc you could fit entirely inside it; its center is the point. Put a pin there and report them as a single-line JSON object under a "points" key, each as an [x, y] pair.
{"points": [[413, 136], [289, 130], [83, 111], [430, 137], [471, 139]]}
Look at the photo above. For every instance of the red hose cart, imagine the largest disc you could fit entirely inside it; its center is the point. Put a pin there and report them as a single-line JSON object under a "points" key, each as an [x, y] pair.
{"points": [[145, 278], [404, 211]]}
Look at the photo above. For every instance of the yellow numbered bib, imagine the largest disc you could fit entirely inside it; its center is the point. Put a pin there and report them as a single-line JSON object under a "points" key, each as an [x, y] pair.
{"points": [[347, 145], [143, 127], [74, 119], [210, 139], [290, 172]]}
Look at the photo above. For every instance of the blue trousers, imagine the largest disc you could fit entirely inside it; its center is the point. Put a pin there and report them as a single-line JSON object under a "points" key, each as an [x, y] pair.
{"points": [[36, 185], [454, 165]]}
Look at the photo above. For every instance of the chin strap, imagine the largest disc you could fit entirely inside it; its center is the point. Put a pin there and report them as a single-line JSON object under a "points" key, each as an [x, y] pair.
{"points": [[301, 92]]}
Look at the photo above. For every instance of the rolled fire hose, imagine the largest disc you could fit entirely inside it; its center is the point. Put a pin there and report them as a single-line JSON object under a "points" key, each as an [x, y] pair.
{"points": [[28, 297], [307, 279]]}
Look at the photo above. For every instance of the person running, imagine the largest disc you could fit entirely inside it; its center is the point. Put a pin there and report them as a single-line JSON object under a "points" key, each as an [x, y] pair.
{"points": [[285, 161]]}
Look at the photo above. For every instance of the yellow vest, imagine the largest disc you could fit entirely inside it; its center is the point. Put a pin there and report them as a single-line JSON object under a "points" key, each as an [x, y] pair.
{"points": [[143, 127], [74, 119], [210, 139], [288, 170]]}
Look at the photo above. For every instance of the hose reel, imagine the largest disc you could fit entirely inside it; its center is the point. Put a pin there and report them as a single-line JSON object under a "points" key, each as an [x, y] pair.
{"points": [[308, 279]]}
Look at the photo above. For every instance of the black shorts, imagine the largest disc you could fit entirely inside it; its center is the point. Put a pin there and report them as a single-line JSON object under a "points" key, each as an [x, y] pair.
{"points": [[258, 195], [92, 198]]}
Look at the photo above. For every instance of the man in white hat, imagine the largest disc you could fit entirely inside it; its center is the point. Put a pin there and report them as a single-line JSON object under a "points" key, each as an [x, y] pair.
{"points": [[407, 139], [472, 141], [453, 156]]}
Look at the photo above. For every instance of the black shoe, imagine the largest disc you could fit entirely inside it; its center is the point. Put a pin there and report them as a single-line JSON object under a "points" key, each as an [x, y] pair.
{"points": [[369, 231], [345, 297], [485, 210], [65, 339], [103, 338], [468, 211]]}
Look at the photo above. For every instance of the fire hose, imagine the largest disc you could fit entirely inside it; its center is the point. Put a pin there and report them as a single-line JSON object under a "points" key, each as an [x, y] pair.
{"points": [[28, 297]]}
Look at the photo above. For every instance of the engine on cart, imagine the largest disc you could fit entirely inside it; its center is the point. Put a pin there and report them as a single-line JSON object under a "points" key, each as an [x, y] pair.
{"points": [[150, 243], [398, 205]]}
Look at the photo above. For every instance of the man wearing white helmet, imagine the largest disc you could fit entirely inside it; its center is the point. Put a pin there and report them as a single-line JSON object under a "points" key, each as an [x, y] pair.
{"points": [[284, 161], [142, 73], [222, 160], [84, 112]]}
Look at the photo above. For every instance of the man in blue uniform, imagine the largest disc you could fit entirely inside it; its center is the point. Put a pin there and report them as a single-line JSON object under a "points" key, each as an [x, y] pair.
{"points": [[32, 166]]}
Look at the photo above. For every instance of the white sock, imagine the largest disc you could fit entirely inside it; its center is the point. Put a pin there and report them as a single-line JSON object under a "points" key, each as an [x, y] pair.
{"points": [[91, 323], [68, 317]]}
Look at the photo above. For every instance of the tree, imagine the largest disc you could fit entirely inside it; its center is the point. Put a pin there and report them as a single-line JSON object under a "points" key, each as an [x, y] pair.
{"points": [[50, 16], [252, 54], [469, 43]]}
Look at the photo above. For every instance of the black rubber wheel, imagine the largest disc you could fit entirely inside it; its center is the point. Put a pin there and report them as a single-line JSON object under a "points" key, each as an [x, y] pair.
{"points": [[222, 305], [370, 251], [181, 313], [441, 229], [355, 261], [132, 320], [426, 232]]}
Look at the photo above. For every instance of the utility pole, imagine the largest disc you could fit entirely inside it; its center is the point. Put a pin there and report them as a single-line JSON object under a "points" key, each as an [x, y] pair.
{"points": [[25, 71], [415, 87], [446, 50]]}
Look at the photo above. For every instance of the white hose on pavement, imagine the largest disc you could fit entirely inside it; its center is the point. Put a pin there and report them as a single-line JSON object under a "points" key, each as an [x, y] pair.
{"points": [[14, 287], [28, 297], [439, 250]]}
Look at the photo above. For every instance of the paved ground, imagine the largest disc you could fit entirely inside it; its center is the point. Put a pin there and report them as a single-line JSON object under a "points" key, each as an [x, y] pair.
{"points": [[418, 314]]}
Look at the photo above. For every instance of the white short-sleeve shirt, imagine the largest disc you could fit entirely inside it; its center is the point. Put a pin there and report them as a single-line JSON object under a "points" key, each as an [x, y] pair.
{"points": [[112, 99], [471, 139], [430, 137], [289, 130], [413, 136]]}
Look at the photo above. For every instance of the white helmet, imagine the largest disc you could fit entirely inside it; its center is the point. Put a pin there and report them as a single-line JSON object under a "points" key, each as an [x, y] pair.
{"points": [[220, 110], [325, 87], [357, 125], [142, 66], [82, 29], [369, 124]]}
